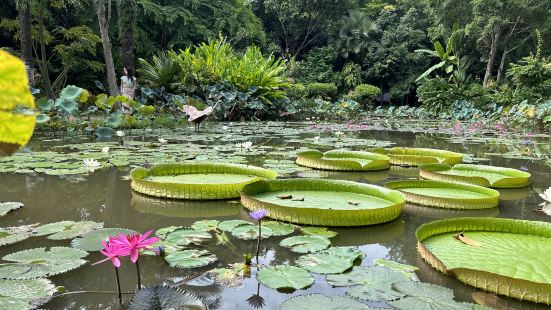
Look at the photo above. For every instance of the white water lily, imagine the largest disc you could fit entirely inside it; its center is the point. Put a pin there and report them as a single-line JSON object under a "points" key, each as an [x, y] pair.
{"points": [[316, 139], [91, 164], [120, 133], [105, 149], [225, 127], [546, 195], [162, 141], [339, 133], [247, 145]]}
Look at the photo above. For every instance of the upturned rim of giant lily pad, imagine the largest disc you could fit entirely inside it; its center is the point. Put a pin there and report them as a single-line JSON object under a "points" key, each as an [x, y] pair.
{"points": [[410, 156], [343, 160]]}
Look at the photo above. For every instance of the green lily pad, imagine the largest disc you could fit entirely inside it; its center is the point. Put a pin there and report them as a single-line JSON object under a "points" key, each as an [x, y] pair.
{"points": [[278, 228], [406, 270], [306, 244], [332, 260], [66, 229], [10, 235], [7, 207], [322, 302], [250, 232], [190, 258], [186, 236], [284, 277], [40, 262], [232, 276], [232, 224], [205, 225], [369, 283], [91, 241], [426, 296], [420, 156], [318, 231], [341, 160], [165, 297], [25, 294]]}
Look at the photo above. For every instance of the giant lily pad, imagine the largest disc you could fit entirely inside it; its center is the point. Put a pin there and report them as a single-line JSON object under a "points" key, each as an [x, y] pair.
{"points": [[343, 160], [66, 229], [190, 258], [7, 207], [447, 195], [441, 213], [420, 156], [40, 262], [10, 235], [332, 260], [91, 241], [306, 244], [369, 283], [25, 294], [487, 176], [16, 128], [504, 256], [323, 202], [197, 181], [165, 297], [285, 277], [322, 302]]}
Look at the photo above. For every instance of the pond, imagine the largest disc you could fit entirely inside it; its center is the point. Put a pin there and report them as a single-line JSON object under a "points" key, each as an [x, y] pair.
{"points": [[63, 191]]}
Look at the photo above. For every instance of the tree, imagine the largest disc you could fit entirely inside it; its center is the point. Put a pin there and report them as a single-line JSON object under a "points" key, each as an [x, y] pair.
{"points": [[25, 35], [127, 16], [103, 11], [354, 34]]}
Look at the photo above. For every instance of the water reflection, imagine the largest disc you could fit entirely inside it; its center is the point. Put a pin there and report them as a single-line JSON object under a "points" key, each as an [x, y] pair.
{"points": [[440, 213]]}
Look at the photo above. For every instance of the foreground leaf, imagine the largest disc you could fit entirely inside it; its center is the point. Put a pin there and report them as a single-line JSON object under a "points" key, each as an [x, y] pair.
{"points": [[205, 225], [250, 232], [406, 270], [318, 231], [322, 302], [278, 228], [332, 260], [165, 297], [186, 236], [285, 277], [232, 224], [66, 229], [306, 244], [232, 276], [91, 241], [10, 235], [25, 294], [7, 207], [190, 258], [426, 296]]}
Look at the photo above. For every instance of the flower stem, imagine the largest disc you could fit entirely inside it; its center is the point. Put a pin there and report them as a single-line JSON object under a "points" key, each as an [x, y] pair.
{"points": [[118, 284], [138, 274], [258, 240]]}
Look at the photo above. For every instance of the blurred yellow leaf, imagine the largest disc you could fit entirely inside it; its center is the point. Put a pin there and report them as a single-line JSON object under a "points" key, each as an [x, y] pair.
{"points": [[530, 112]]}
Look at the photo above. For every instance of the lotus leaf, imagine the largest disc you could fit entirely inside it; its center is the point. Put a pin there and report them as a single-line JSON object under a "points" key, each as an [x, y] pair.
{"points": [[332, 260], [16, 128], [40, 262], [25, 294], [369, 283], [420, 156], [323, 202], [186, 236], [205, 225], [318, 231], [322, 302], [165, 297], [7, 207], [487, 176], [406, 270], [343, 160], [426, 296], [10, 235], [284, 277], [510, 259], [66, 229], [447, 195], [278, 228], [306, 244], [91, 241], [232, 224], [199, 181], [190, 258]]}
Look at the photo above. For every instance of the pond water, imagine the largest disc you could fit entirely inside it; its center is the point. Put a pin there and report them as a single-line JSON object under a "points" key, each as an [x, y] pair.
{"points": [[105, 196]]}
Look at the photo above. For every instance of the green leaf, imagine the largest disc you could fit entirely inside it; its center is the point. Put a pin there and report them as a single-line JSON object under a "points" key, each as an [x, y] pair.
{"points": [[114, 120], [7, 207], [322, 302], [318, 231], [66, 105], [10, 235], [324, 263], [406, 270], [165, 297], [421, 296], [25, 294], [232, 224], [250, 232], [66, 229], [104, 132], [284, 277], [186, 236], [71, 92], [91, 241], [232, 276], [419, 156], [190, 258], [205, 225], [40, 262], [439, 49], [45, 104], [306, 244], [369, 283], [278, 228], [343, 160]]}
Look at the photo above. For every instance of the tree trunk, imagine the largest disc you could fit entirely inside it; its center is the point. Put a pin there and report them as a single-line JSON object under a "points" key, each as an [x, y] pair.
{"points": [[44, 59], [501, 70], [25, 34], [103, 10], [127, 10], [492, 55]]}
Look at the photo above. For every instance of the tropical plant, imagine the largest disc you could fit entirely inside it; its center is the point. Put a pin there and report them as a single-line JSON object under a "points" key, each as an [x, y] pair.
{"points": [[162, 71], [321, 90], [351, 74], [354, 34], [365, 94]]}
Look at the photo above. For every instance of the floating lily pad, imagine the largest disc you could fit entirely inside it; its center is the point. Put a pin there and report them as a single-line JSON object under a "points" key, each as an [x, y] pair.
{"points": [[41, 262], [278, 228], [406, 270], [186, 236], [7, 207], [420, 156], [232, 276], [306, 244], [165, 297], [369, 283], [441, 213], [196, 181], [66, 229], [91, 241], [504, 256], [343, 160], [250, 232], [322, 302], [318, 231], [25, 294], [190, 258], [205, 225], [10, 235], [482, 175], [285, 277], [332, 260], [447, 195], [426, 296], [323, 202]]}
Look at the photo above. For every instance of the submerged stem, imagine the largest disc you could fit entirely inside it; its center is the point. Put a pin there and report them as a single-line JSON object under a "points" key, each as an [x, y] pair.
{"points": [[258, 240], [138, 274], [118, 284]]}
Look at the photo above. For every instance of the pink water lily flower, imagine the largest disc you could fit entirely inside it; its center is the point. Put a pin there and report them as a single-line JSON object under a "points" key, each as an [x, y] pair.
{"points": [[133, 243], [112, 251]]}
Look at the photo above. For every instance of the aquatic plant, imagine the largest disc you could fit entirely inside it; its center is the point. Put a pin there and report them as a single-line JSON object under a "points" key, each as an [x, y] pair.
{"points": [[165, 297], [112, 251], [91, 164], [132, 244], [546, 196], [258, 215]]}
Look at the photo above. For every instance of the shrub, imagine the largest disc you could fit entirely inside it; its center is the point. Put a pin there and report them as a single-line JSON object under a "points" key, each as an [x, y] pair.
{"points": [[321, 90], [160, 71], [317, 67], [296, 91], [365, 94]]}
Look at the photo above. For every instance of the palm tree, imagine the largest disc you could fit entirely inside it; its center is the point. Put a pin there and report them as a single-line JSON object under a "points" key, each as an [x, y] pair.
{"points": [[354, 34], [127, 12]]}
